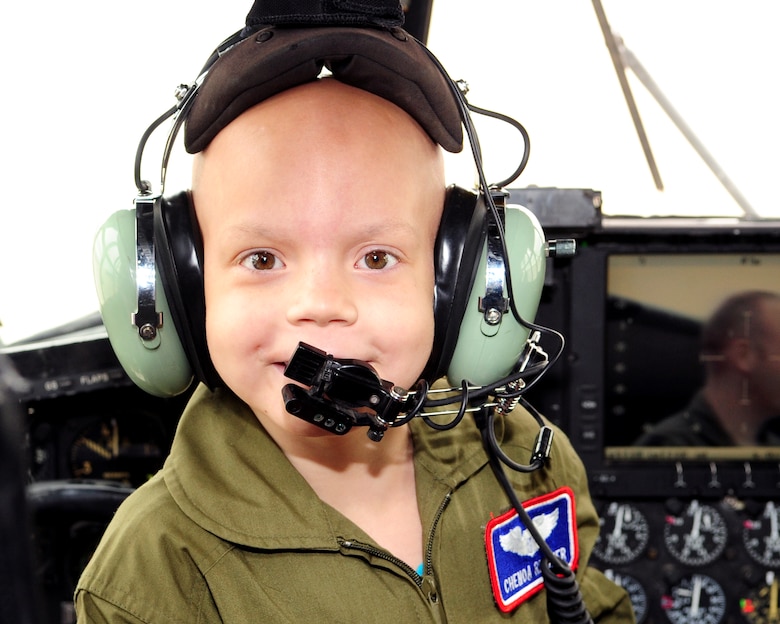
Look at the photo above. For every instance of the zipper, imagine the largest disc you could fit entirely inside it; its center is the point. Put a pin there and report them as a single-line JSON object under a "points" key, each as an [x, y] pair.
{"points": [[429, 546], [383, 554]]}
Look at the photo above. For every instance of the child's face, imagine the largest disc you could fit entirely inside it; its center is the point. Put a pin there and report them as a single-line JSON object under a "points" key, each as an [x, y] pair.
{"points": [[319, 211]]}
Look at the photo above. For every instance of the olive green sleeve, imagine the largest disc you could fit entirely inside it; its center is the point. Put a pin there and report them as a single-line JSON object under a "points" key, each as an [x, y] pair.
{"points": [[607, 603]]}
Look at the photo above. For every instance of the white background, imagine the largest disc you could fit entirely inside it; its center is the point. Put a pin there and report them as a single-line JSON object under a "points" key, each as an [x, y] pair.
{"points": [[83, 79]]}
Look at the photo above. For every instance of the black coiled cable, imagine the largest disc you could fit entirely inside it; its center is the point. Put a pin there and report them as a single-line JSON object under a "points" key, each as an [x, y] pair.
{"points": [[564, 599]]}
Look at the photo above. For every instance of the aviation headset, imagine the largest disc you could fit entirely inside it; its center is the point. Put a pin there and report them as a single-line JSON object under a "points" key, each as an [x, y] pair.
{"points": [[148, 261]]}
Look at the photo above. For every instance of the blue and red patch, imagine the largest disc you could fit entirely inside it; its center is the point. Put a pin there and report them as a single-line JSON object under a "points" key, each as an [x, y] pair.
{"points": [[515, 559]]}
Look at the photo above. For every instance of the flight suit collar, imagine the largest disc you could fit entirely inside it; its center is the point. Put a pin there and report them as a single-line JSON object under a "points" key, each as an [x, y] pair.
{"points": [[228, 475]]}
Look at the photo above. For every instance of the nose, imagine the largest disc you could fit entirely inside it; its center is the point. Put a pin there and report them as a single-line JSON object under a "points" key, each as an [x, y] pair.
{"points": [[322, 296]]}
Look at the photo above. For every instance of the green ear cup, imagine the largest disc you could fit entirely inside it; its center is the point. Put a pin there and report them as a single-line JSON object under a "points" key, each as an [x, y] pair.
{"points": [[159, 366], [484, 352]]}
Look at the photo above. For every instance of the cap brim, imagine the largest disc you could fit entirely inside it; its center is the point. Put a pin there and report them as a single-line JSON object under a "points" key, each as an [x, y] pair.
{"points": [[388, 63]]}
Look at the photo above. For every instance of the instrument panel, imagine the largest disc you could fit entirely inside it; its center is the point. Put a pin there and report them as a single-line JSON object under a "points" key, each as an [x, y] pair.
{"points": [[689, 528], [693, 560], [87, 452], [116, 435], [91, 437]]}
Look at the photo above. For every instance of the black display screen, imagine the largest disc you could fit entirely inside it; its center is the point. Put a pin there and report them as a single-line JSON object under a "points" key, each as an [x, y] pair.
{"points": [[656, 305]]}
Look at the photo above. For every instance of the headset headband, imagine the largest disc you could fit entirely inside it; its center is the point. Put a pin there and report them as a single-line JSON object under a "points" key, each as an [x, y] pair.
{"points": [[389, 63], [385, 13]]}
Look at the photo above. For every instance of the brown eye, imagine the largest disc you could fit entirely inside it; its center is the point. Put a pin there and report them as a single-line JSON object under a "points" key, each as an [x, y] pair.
{"points": [[262, 260], [377, 259]]}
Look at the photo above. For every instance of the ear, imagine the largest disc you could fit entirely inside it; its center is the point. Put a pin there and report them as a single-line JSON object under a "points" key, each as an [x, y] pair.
{"points": [[742, 355]]}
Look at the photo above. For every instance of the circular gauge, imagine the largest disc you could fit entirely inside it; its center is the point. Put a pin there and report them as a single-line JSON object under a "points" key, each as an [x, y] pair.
{"points": [[697, 599], [636, 592], [696, 537], [762, 605], [761, 536], [128, 449], [623, 535]]}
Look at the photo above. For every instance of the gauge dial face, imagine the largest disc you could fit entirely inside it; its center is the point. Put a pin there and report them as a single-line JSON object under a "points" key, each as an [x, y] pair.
{"points": [[761, 536], [696, 537], [697, 599], [636, 592], [762, 606], [126, 448], [623, 535]]}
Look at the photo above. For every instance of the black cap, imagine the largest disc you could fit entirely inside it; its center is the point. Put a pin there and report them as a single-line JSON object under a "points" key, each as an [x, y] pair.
{"points": [[359, 48]]}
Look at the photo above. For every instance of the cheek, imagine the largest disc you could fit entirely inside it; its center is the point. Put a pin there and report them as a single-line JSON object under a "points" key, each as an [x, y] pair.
{"points": [[232, 323], [771, 377], [423, 317], [408, 332], [221, 322]]}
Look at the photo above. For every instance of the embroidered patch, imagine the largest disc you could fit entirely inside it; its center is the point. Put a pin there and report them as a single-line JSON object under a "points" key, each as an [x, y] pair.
{"points": [[514, 558]]}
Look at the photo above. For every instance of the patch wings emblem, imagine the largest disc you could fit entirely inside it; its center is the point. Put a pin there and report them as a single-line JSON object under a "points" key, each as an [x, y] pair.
{"points": [[521, 542]]}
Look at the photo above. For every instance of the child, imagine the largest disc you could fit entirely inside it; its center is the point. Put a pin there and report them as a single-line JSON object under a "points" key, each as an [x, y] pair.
{"points": [[319, 208]]}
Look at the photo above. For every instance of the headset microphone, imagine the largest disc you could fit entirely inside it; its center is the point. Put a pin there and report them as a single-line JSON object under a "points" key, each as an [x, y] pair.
{"points": [[343, 393]]}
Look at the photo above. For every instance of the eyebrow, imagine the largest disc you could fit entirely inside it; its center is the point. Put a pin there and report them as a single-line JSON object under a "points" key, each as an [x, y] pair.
{"points": [[371, 231], [392, 227]]}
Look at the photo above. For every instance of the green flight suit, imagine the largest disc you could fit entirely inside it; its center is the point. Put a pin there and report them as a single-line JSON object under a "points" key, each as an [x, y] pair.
{"points": [[228, 531]]}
